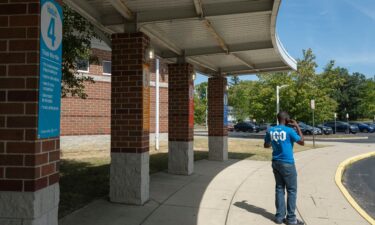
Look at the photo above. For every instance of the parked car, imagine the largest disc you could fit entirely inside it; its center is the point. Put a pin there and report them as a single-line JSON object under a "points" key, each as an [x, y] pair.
{"points": [[371, 124], [309, 130], [246, 127], [230, 126], [342, 127], [325, 130], [364, 127], [265, 126]]}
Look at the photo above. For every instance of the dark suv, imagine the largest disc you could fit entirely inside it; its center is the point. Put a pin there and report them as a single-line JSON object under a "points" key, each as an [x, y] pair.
{"points": [[246, 127], [342, 127]]}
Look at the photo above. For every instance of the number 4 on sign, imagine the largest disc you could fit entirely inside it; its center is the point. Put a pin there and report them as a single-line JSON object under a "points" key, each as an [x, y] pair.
{"points": [[51, 31]]}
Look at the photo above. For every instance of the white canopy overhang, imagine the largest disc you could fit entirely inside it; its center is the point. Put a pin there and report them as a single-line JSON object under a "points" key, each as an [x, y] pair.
{"points": [[217, 36]]}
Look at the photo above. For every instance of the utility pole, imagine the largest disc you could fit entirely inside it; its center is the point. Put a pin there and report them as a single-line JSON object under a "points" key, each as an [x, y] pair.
{"points": [[347, 121], [278, 88], [335, 115], [157, 105], [313, 119]]}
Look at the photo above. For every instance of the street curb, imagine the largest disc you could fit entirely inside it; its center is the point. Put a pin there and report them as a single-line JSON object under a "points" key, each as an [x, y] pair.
{"points": [[343, 138], [338, 178]]}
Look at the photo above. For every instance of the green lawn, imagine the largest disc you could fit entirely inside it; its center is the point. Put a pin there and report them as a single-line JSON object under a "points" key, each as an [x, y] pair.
{"points": [[85, 173]]}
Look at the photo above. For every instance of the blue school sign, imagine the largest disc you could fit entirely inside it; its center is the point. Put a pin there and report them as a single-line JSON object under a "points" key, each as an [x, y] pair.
{"points": [[50, 69], [225, 108]]}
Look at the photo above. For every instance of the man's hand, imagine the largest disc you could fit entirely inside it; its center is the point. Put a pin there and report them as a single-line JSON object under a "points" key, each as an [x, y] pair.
{"points": [[295, 124]]}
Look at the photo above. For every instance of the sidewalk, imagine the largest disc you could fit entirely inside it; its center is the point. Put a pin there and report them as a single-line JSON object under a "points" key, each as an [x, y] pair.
{"points": [[234, 193]]}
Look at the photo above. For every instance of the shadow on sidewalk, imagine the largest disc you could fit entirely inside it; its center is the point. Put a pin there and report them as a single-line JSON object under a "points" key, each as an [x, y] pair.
{"points": [[255, 209]]}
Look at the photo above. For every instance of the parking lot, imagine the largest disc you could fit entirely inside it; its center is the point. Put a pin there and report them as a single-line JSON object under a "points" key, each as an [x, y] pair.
{"points": [[339, 137]]}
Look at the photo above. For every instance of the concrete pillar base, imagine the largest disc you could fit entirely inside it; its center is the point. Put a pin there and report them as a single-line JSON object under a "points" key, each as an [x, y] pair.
{"points": [[129, 179], [218, 148], [181, 157], [30, 208]]}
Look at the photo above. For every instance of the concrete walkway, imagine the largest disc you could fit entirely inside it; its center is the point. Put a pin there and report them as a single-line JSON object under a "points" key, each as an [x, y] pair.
{"points": [[234, 193]]}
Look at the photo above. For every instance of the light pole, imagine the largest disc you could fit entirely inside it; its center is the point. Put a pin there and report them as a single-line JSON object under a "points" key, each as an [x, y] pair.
{"points": [[347, 121], [335, 115], [206, 108], [313, 119], [278, 100]]}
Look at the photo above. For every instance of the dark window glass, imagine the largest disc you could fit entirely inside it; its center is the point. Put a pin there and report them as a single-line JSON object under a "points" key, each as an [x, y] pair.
{"points": [[107, 67], [83, 65]]}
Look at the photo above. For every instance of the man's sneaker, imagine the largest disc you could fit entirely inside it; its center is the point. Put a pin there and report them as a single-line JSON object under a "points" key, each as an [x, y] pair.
{"points": [[297, 222], [280, 221]]}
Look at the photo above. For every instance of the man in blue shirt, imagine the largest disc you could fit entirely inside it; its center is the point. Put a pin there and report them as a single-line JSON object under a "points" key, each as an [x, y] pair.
{"points": [[282, 139]]}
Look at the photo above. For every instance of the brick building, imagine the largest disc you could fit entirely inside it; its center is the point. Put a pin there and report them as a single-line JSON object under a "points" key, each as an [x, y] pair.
{"points": [[216, 38], [92, 116]]}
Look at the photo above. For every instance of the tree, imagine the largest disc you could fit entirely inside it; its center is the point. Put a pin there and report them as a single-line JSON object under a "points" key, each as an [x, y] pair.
{"points": [[238, 99], [367, 105], [200, 103], [307, 87], [77, 36], [302, 87], [234, 80], [348, 90]]}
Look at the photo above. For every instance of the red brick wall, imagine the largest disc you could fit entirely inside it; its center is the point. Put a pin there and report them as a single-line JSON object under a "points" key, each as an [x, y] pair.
{"points": [[130, 103], [96, 68], [181, 111], [163, 110], [216, 89], [27, 163], [91, 116], [163, 97]]}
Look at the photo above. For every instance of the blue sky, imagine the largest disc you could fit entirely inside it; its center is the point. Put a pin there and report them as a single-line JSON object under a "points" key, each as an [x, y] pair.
{"points": [[342, 30]]}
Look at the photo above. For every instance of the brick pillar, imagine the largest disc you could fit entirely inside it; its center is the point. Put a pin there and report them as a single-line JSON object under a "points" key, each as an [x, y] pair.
{"points": [[29, 166], [130, 119], [217, 119], [181, 119]]}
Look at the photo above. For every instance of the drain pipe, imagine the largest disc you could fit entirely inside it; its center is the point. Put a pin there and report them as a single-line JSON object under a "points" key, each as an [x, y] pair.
{"points": [[157, 105]]}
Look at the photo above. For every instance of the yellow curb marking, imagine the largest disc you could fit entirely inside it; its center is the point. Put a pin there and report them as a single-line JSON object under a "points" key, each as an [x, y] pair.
{"points": [[338, 179]]}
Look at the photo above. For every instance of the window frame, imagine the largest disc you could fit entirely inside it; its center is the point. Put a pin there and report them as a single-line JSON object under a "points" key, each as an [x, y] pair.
{"points": [[106, 74], [88, 66]]}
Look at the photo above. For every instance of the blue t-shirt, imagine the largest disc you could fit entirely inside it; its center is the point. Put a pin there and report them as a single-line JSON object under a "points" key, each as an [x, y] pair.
{"points": [[282, 139]]}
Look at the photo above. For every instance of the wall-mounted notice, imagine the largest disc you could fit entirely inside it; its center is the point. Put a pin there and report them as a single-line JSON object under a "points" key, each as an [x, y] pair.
{"points": [[50, 69], [191, 104], [225, 109]]}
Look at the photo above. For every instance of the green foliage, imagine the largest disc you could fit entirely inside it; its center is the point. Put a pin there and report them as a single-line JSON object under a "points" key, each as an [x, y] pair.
{"points": [[77, 36], [334, 90], [367, 105], [200, 103], [238, 98], [257, 99], [234, 80]]}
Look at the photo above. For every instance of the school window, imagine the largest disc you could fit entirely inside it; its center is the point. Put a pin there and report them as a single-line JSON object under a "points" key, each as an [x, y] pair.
{"points": [[83, 65], [107, 67]]}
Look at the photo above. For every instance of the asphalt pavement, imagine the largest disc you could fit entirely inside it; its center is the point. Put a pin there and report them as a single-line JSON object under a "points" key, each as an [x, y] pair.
{"points": [[360, 138], [359, 180]]}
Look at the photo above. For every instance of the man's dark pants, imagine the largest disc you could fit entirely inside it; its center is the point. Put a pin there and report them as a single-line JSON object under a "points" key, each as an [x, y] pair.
{"points": [[286, 178]]}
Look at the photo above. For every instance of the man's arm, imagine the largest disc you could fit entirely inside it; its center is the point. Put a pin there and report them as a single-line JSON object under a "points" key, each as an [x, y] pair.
{"points": [[299, 132]]}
